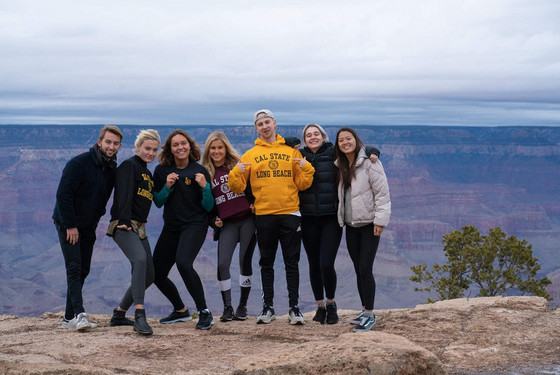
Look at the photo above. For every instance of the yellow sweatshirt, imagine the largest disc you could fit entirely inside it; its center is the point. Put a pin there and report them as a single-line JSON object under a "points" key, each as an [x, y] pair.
{"points": [[274, 177]]}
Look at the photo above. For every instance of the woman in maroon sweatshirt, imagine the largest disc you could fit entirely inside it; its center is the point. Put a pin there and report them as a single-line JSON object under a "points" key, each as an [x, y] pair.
{"points": [[235, 223]]}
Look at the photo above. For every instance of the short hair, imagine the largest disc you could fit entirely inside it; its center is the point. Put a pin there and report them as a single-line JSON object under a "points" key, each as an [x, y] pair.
{"points": [[111, 129], [146, 135], [166, 157], [232, 157], [321, 130]]}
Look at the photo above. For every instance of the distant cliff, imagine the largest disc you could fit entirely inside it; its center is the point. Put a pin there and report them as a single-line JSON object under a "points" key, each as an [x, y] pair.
{"points": [[514, 335], [440, 178]]}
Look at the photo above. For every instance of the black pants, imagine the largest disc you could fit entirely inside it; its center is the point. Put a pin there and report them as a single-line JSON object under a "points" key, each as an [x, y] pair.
{"points": [[321, 237], [77, 259], [270, 230], [362, 247], [179, 247]]}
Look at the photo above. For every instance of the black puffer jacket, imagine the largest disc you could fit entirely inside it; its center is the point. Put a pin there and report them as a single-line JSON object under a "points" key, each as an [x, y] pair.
{"points": [[322, 197]]}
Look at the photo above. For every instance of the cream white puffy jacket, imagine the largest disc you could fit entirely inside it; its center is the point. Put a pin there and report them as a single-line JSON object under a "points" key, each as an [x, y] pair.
{"points": [[371, 202]]}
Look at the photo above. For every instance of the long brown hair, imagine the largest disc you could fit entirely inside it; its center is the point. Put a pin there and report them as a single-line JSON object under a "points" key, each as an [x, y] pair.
{"points": [[166, 157], [232, 157], [346, 171]]}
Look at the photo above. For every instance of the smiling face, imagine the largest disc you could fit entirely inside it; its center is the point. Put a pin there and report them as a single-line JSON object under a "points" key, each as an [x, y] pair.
{"points": [[180, 148], [147, 151], [346, 142], [217, 152], [110, 144], [313, 138], [266, 129]]}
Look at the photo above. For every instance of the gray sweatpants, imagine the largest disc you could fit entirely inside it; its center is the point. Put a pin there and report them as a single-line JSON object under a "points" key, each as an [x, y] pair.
{"points": [[139, 254]]}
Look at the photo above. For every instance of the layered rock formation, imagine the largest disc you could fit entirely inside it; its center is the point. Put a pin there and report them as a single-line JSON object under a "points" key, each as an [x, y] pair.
{"points": [[491, 335]]}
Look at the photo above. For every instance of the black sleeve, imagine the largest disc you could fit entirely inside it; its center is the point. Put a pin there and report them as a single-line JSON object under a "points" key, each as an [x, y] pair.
{"points": [[249, 193], [160, 178], [124, 192], [372, 150], [66, 193]]}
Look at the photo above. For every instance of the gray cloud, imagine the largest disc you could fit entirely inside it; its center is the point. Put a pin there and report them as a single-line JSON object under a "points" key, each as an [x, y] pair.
{"points": [[359, 62]]}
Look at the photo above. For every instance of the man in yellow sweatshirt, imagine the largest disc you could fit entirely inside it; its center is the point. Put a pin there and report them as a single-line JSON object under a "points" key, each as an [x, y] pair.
{"points": [[276, 173]]}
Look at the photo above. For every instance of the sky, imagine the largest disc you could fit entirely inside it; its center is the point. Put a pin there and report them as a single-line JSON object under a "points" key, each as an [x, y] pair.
{"points": [[397, 62]]}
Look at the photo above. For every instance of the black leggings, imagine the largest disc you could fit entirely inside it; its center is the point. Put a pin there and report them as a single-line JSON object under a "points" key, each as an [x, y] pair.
{"points": [[321, 237], [179, 247], [362, 247]]}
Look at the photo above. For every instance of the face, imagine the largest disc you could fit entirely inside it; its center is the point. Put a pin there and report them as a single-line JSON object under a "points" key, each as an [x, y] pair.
{"points": [[346, 142], [180, 147], [313, 138], [147, 151], [110, 144], [217, 152], [266, 128]]}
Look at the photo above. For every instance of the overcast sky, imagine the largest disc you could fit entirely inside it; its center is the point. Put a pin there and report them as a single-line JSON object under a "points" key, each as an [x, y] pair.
{"points": [[447, 62]]}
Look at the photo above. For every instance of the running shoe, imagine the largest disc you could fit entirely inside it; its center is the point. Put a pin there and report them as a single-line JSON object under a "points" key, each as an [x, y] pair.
{"points": [[240, 313], [332, 315], [295, 316], [366, 323], [227, 316], [266, 316], [320, 315], [358, 319], [82, 322], [205, 320], [176, 317]]}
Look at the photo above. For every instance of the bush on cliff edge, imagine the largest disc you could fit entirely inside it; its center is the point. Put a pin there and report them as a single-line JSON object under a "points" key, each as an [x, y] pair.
{"points": [[491, 264]]}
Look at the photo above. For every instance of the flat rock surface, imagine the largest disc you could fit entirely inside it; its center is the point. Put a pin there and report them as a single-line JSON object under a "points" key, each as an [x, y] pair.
{"points": [[491, 335]]}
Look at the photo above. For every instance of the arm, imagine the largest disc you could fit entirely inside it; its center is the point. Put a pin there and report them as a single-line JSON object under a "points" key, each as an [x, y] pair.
{"points": [[372, 153], [380, 188], [124, 192], [207, 198], [66, 193], [160, 197], [163, 185], [238, 177]]}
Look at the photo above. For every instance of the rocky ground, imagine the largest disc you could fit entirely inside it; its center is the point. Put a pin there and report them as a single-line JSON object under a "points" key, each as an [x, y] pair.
{"points": [[513, 335]]}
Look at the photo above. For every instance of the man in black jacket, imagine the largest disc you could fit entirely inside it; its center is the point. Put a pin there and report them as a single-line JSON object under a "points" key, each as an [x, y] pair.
{"points": [[84, 189]]}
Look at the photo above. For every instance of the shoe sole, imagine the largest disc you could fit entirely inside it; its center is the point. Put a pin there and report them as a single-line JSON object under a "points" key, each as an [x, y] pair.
{"points": [[143, 333], [83, 328], [226, 319], [239, 317], [177, 320], [296, 323]]}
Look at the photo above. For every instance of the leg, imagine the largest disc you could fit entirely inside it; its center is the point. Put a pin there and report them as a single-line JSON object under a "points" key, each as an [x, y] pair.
{"points": [[164, 259], [267, 238], [331, 234], [290, 239], [229, 236], [247, 243], [368, 249], [190, 242], [311, 237], [353, 245]]}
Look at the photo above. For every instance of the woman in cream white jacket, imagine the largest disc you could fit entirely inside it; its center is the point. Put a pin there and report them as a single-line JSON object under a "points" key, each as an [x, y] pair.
{"points": [[364, 207]]}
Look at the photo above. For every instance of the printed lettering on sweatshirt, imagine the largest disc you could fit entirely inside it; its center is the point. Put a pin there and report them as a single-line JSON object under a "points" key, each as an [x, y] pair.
{"points": [[227, 194], [272, 163], [146, 193]]}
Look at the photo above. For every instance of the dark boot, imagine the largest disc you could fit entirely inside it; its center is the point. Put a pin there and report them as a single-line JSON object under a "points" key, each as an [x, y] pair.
{"points": [[119, 319], [140, 324]]}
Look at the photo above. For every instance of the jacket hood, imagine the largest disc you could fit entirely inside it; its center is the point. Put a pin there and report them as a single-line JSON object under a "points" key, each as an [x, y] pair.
{"points": [[279, 141]]}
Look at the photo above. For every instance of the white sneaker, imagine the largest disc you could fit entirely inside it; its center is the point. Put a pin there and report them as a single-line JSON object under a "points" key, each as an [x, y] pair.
{"points": [[295, 316], [69, 324], [93, 325], [266, 316], [82, 323]]}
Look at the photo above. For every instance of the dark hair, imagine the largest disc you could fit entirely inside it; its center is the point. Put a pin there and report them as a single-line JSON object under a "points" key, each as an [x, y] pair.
{"points": [[111, 129], [166, 157], [346, 171]]}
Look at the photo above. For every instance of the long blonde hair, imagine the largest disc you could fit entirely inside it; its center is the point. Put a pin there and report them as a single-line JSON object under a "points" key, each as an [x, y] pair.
{"points": [[232, 157]]}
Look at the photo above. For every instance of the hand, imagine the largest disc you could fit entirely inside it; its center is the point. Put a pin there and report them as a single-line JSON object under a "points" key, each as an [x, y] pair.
{"points": [[124, 227], [252, 207], [199, 177], [172, 179], [243, 166], [301, 161], [373, 158], [377, 229], [218, 222], [72, 236]]}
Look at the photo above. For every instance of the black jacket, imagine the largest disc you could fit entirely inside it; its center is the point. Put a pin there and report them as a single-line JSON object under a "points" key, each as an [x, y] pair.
{"points": [[322, 197], [84, 189]]}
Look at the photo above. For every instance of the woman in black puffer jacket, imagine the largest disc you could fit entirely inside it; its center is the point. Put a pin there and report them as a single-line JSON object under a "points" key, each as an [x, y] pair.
{"points": [[321, 233]]}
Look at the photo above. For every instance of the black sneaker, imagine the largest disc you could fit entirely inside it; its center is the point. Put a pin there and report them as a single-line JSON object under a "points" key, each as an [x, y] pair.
{"points": [[119, 319], [205, 320], [176, 317], [295, 316], [240, 313], [332, 315], [320, 315], [227, 316]]}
